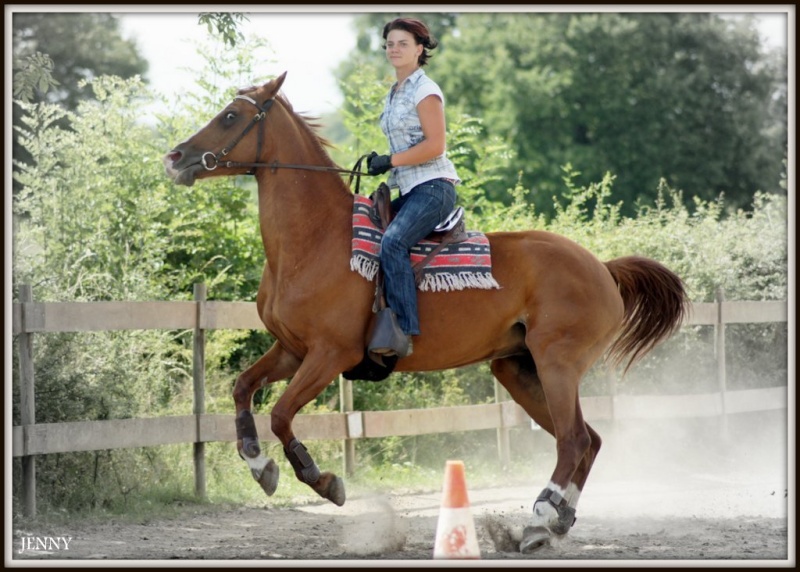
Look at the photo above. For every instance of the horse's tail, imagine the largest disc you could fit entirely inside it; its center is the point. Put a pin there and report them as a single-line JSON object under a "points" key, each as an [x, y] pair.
{"points": [[655, 306]]}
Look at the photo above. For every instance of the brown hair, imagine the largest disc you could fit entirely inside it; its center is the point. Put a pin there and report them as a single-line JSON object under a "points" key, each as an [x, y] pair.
{"points": [[417, 29]]}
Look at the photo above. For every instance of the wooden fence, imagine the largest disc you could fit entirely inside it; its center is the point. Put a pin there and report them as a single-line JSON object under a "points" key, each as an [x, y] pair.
{"points": [[30, 438]]}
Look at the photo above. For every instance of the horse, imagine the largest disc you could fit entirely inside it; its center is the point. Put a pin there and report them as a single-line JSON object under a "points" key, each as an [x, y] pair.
{"points": [[558, 309]]}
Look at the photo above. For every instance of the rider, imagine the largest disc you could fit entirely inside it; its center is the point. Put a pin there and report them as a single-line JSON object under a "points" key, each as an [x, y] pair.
{"points": [[414, 123]]}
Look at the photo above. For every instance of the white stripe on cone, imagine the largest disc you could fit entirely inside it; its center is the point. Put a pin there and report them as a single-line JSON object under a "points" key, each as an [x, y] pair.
{"points": [[455, 535]]}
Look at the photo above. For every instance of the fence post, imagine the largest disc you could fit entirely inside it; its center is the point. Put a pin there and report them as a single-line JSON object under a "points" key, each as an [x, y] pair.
{"points": [[503, 438], [27, 404], [199, 379], [720, 351], [346, 406], [611, 377]]}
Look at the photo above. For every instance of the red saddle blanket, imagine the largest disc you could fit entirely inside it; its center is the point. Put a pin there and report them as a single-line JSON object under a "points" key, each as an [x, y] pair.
{"points": [[457, 266]]}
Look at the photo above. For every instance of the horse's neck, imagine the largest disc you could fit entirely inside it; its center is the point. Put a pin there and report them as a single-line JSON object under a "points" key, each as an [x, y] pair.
{"points": [[301, 211]]}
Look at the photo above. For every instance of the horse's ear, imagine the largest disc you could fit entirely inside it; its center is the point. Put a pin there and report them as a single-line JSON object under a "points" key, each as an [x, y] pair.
{"points": [[274, 86]]}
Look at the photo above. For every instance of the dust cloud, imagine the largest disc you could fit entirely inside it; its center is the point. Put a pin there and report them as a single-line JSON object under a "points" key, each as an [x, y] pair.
{"points": [[739, 465], [377, 530]]}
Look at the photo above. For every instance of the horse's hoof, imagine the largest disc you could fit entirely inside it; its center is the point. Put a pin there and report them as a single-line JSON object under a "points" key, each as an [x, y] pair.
{"points": [[533, 538], [267, 477], [334, 490]]}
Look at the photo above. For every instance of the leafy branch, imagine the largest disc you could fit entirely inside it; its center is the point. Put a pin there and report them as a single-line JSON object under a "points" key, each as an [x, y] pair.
{"points": [[35, 73]]}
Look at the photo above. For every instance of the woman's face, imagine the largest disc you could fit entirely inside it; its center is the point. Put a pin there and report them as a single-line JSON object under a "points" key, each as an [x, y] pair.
{"points": [[402, 50]]}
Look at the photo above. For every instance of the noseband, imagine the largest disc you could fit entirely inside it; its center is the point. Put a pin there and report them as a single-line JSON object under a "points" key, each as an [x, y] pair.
{"points": [[211, 161]]}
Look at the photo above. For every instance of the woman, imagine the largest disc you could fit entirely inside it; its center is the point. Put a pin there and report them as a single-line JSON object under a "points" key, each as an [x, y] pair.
{"points": [[414, 124]]}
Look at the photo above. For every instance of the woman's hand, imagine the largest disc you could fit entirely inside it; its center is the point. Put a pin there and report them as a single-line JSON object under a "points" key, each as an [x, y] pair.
{"points": [[378, 164]]}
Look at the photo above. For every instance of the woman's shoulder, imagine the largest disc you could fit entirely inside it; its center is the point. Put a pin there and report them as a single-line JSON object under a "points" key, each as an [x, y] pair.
{"points": [[424, 79], [425, 86]]}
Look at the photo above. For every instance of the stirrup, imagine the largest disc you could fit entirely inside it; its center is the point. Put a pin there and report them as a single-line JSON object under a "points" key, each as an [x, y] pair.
{"points": [[386, 337]]}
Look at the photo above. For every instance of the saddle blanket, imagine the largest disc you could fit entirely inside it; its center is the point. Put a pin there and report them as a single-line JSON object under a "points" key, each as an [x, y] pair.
{"points": [[457, 266]]}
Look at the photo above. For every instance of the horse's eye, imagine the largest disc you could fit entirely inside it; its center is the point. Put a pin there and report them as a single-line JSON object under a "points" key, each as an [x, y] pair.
{"points": [[230, 116]]}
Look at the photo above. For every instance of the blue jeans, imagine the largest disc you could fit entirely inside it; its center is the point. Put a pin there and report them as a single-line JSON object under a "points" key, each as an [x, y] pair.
{"points": [[418, 213]]}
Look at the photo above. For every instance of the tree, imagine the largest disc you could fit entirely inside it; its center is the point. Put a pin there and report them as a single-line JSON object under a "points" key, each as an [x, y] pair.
{"points": [[689, 98], [54, 52], [34, 73], [685, 97], [82, 46], [224, 24]]}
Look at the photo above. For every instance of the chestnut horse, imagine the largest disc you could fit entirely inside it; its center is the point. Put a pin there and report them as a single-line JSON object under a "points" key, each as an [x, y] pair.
{"points": [[558, 310]]}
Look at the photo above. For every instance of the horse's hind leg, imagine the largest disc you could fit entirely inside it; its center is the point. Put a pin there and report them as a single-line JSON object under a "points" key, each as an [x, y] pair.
{"points": [[274, 365], [555, 509], [562, 357], [582, 472]]}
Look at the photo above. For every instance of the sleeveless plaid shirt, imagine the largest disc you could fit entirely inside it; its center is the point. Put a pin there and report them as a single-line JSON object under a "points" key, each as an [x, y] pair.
{"points": [[401, 125]]}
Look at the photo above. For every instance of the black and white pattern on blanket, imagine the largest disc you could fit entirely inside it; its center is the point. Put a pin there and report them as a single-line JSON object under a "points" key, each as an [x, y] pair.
{"points": [[457, 266]]}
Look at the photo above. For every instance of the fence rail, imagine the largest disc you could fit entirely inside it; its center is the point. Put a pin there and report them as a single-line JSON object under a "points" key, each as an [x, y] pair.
{"points": [[31, 438], [51, 317], [72, 437]]}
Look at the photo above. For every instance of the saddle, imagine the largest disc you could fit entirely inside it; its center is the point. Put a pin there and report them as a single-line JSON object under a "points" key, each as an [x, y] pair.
{"points": [[450, 231]]}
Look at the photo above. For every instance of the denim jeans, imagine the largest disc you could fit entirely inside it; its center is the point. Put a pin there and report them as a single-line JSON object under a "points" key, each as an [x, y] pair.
{"points": [[418, 213]]}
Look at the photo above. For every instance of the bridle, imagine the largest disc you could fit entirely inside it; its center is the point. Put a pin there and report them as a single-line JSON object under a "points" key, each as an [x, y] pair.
{"points": [[211, 160]]}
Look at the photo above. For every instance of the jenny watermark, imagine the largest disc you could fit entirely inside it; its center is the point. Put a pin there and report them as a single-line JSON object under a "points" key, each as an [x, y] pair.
{"points": [[30, 544]]}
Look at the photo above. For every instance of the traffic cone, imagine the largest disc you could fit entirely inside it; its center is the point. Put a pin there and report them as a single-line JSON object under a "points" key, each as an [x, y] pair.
{"points": [[455, 532]]}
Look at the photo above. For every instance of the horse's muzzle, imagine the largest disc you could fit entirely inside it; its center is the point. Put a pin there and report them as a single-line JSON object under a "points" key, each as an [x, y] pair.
{"points": [[181, 175]]}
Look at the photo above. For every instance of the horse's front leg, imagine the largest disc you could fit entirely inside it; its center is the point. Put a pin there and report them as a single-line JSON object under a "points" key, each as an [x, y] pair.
{"points": [[275, 365], [317, 372]]}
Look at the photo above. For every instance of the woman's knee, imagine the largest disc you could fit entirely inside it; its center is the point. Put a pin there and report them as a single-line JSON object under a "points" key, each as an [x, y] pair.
{"points": [[393, 241]]}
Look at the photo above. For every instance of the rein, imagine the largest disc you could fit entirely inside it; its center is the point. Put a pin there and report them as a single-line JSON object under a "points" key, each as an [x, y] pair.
{"points": [[211, 161]]}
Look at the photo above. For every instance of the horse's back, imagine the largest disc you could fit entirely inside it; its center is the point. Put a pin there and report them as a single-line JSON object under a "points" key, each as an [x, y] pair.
{"points": [[548, 258]]}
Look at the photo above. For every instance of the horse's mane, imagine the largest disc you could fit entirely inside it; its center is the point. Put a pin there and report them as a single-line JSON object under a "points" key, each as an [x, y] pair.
{"points": [[308, 123], [312, 126], [311, 123]]}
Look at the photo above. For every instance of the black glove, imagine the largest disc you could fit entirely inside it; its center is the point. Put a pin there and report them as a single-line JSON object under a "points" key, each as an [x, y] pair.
{"points": [[378, 164]]}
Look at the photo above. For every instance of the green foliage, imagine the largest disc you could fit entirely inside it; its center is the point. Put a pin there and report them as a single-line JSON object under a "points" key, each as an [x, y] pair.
{"points": [[92, 217], [364, 95], [35, 73], [225, 25], [689, 98], [82, 46], [54, 53]]}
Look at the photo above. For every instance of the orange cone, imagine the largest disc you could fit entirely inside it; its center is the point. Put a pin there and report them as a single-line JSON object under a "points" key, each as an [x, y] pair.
{"points": [[455, 531]]}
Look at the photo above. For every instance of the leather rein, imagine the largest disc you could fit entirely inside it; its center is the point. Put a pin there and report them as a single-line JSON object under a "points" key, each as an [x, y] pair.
{"points": [[211, 161]]}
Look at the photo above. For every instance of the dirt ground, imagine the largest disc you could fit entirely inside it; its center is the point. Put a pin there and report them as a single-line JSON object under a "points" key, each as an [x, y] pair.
{"points": [[680, 504], [703, 518]]}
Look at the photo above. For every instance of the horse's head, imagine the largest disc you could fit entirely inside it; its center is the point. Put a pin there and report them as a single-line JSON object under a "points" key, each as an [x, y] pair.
{"points": [[234, 136]]}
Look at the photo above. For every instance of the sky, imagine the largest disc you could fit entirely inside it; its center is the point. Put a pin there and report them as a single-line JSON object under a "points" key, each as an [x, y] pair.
{"points": [[308, 45]]}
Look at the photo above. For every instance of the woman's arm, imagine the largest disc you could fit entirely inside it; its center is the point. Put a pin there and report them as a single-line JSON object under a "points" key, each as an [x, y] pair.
{"points": [[431, 117]]}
